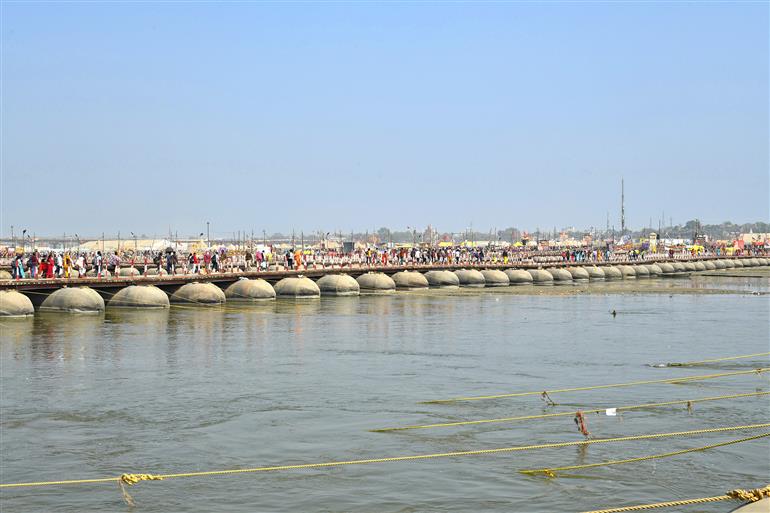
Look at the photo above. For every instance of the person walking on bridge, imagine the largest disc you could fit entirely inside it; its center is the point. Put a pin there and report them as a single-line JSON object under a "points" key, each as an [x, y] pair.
{"points": [[50, 266], [81, 265], [114, 264], [170, 263], [207, 261], [32, 263], [196, 263], [67, 264], [215, 261], [42, 267], [59, 265], [19, 267], [97, 263], [298, 258]]}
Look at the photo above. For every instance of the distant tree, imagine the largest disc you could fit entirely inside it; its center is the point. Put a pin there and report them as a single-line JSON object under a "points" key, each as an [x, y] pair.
{"points": [[383, 234]]}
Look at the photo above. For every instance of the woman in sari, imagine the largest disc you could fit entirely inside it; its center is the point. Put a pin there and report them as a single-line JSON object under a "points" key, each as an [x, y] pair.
{"points": [[50, 266]]}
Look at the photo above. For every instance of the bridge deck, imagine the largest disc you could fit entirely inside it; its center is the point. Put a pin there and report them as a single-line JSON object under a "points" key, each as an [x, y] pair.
{"points": [[225, 278]]}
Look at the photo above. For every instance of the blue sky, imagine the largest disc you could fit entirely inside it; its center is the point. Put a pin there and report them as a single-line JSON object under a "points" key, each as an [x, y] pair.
{"points": [[339, 116]]}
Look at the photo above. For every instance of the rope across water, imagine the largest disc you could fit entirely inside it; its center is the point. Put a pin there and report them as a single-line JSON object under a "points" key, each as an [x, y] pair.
{"points": [[737, 494], [130, 479], [715, 360], [551, 472], [566, 413], [682, 379]]}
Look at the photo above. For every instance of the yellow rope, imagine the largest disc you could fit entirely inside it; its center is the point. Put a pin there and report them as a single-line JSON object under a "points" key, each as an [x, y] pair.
{"points": [[738, 494], [714, 360], [565, 413], [135, 478], [131, 479], [596, 387], [551, 472]]}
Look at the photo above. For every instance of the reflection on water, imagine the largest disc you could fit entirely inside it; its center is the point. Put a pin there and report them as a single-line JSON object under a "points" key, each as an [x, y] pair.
{"points": [[285, 381], [16, 329], [147, 318]]}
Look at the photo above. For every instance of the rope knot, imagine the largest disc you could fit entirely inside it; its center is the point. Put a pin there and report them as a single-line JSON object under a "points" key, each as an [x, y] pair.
{"points": [[547, 398], [750, 495], [132, 479]]}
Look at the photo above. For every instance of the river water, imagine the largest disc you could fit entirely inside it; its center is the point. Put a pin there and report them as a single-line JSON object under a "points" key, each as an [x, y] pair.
{"points": [[284, 382]]}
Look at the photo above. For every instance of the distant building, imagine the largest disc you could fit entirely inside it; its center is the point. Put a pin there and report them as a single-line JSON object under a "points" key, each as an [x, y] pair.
{"points": [[755, 238]]}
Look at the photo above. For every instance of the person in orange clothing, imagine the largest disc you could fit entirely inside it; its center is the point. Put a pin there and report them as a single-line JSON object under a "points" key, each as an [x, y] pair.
{"points": [[298, 258], [67, 264]]}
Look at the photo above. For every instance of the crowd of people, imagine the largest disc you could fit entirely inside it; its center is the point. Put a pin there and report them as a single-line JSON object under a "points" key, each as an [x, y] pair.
{"points": [[70, 264], [66, 264], [54, 265]]}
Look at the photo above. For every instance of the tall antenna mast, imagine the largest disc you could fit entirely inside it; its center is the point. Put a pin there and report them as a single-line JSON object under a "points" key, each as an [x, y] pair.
{"points": [[622, 208]]}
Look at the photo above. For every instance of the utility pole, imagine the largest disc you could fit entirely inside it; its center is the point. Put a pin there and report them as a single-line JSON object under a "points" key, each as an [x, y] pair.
{"points": [[208, 234], [622, 208]]}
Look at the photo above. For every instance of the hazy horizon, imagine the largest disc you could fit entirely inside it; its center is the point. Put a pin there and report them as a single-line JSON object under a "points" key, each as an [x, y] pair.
{"points": [[245, 234], [137, 117]]}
